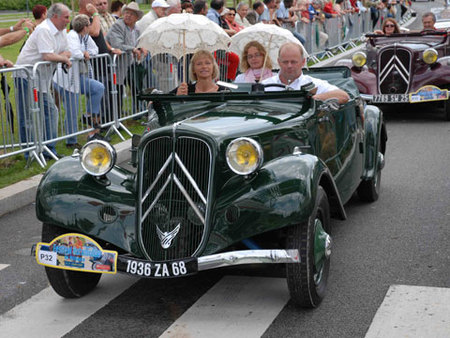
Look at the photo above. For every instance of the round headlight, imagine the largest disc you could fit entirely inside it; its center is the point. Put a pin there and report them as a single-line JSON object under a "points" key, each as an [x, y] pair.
{"points": [[97, 157], [244, 155], [430, 56], [359, 59]]}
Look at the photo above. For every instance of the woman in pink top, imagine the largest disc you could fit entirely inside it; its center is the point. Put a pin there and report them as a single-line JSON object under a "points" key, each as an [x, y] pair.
{"points": [[252, 64]]}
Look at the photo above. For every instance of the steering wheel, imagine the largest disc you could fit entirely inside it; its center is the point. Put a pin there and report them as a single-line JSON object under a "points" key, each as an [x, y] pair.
{"points": [[279, 85]]}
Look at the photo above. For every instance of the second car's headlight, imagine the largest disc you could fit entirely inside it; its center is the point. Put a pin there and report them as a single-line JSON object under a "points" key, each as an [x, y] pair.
{"points": [[430, 56], [244, 155], [97, 157], [359, 59]]}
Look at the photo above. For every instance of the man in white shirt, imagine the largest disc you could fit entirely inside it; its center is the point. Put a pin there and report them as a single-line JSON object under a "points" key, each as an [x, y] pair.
{"points": [[291, 61], [158, 11], [48, 42]]}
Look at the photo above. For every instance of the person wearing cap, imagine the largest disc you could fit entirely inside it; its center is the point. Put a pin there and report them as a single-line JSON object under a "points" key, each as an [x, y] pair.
{"points": [[158, 11], [229, 18]]}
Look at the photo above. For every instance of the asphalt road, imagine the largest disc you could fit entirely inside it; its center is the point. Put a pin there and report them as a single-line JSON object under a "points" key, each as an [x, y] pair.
{"points": [[400, 239]]}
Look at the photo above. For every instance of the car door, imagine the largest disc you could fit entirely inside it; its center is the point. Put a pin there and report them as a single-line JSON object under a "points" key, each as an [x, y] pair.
{"points": [[338, 138]]}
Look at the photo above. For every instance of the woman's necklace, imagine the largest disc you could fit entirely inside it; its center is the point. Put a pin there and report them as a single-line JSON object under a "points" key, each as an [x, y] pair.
{"points": [[212, 89]]}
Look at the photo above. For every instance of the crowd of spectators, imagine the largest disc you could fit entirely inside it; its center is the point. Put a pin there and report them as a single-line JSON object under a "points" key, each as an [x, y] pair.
{"points": [[113, 27]]}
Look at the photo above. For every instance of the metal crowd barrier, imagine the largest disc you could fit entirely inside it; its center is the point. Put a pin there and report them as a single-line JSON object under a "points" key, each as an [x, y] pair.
{"points": [[340, 33], [18, 129], [48, 103]]}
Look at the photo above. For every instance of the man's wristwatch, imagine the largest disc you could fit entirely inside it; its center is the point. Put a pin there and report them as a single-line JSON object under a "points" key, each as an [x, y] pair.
{"points": [[11, 28]]}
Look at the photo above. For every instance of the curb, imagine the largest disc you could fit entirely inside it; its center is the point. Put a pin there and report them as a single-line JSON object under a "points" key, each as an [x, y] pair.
{"points": [[23, 193]]}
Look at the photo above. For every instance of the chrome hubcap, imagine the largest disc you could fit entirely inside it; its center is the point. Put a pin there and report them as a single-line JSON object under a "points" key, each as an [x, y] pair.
{"points": [[322, 250]]}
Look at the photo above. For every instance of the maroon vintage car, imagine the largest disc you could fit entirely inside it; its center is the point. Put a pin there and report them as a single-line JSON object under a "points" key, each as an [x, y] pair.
{"points": [[404, 68]]}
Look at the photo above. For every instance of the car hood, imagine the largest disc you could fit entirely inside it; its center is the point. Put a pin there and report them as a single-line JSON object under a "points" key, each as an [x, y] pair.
{"points": [[241, 118]]}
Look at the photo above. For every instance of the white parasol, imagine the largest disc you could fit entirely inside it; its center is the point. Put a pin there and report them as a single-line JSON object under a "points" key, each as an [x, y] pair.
{"points": [[270, 36], [180, 34]]}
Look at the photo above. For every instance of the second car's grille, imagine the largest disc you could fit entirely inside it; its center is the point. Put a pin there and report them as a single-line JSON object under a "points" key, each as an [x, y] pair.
{"points": [[394, 70], [173, 200]]}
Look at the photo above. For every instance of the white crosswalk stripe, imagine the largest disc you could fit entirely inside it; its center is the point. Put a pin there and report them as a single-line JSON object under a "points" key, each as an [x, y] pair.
{"points": [[3, 266], [412, 311], [233, 306], [48, 315]]}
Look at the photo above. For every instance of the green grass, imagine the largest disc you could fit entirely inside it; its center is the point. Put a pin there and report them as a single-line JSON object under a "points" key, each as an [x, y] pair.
{"points": [[14, 169]]}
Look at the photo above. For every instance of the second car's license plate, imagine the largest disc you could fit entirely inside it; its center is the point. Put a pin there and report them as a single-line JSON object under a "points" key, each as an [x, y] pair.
{"points": [[150, 269], [391, 98]]}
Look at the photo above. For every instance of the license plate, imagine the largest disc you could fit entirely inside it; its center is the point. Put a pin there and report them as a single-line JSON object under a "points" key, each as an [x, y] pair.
{"points": [[391, 98], [150, 269]]}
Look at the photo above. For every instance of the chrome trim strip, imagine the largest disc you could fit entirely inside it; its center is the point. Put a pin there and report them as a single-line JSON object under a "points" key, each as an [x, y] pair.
{"points": [[396, 65], [366, 97], [156, 199], [205, 234], [190, 178], [186, 195], [248, 257], [407, 71], [160, 172]]}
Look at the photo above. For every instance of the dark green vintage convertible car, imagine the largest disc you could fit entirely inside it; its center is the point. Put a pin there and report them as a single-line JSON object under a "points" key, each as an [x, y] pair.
{"points": [[242, 176]]}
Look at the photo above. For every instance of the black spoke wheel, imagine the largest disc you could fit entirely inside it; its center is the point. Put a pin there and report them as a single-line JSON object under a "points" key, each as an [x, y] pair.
{"points": [[307, 280], [67, 283], [369, 190]]}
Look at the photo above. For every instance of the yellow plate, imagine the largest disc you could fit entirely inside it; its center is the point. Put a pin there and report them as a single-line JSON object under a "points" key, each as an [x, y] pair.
{"points": [[76, 252]]}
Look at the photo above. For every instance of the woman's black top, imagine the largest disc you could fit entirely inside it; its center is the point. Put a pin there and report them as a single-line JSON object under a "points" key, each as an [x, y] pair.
{"points": [[191, 89]]}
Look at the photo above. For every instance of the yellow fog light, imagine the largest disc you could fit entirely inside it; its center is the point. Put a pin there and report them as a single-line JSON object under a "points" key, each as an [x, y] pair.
{"points": [[430, 56], [244, 155], [359, 59], [97, 157]]}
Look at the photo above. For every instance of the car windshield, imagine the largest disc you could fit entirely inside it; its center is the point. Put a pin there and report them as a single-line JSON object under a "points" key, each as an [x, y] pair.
{"points": [[177, 108], [429, 38]]}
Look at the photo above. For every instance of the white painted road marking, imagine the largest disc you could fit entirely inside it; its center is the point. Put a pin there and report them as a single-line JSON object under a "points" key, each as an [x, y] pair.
{"points": [[412, 311], [48, 315], [3, 266], [235, 306]]}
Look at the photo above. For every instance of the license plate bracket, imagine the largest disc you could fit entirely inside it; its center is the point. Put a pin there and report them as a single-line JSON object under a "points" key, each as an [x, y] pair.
{"points": [[153, 269], [391, 98]]}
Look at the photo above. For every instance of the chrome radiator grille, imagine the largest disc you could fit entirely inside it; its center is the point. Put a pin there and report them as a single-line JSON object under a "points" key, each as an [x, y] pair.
{"points": [[394, 70], [174, 176]]}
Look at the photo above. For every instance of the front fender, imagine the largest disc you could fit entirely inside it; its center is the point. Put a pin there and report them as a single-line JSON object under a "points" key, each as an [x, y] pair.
{"points": [[282, 193], [374, 142], [104, 209]]}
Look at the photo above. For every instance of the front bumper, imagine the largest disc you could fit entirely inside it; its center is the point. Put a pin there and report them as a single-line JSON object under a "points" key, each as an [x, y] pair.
{"points": [[88, 256], [192, 265]]}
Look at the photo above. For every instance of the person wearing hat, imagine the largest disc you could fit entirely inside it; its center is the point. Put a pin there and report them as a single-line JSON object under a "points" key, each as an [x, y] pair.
{"points": [[158, 11], [124, 34], [224, 23]]}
